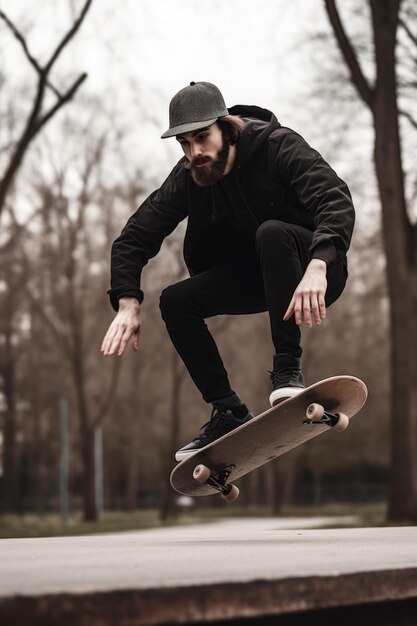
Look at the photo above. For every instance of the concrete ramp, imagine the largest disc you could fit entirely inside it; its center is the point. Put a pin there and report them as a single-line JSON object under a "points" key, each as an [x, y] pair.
{"points": [[231, 570]]}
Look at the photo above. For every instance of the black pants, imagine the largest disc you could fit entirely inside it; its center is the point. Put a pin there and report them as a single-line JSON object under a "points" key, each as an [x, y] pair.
{"points": [[262, 278]]}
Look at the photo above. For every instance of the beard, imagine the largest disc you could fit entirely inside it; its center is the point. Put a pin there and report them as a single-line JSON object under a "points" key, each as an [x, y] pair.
{"points": [[214, 170]]}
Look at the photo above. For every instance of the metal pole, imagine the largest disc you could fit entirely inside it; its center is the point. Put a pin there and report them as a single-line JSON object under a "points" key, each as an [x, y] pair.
{"points": [[63, 469], [98, 462]]}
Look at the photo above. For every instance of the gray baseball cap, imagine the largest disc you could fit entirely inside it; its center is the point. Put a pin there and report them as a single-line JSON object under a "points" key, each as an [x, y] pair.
{"points": [[196, 106]]}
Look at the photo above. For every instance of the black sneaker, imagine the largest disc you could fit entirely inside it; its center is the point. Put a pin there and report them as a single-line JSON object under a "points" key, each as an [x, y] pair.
{"points": [[286, 378], [222, 421]]}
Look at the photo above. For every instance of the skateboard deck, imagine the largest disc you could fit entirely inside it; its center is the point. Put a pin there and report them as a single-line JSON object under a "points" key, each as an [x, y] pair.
{"points": [[326, 405]]}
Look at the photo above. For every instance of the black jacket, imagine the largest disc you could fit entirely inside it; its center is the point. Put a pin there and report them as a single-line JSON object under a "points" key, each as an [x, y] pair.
{"points": [[276, 175]]}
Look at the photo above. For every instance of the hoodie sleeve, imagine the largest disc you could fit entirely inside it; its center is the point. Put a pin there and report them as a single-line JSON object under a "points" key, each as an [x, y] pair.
{"points": [[319, 191], [142, 237]]}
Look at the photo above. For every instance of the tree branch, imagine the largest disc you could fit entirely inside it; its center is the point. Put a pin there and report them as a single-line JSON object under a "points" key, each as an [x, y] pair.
{"points": [[409, 117], [70, 34], [22, 143], [57, 332], [410, 34], [21, 40], [66, 97], [15, 232], [107, 401], [346, 48], [30, 58], [35, 120]]}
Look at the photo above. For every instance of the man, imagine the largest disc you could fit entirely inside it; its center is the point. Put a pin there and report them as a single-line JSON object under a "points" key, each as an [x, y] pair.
{"points": [[269, 226]]}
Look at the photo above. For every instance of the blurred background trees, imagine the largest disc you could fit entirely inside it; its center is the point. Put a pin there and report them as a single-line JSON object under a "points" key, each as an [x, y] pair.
{"points": [[68, 199], [382, 97]]}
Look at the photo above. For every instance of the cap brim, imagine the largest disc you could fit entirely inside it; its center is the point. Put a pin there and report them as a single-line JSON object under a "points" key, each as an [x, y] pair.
{"points": [[187, 128]]}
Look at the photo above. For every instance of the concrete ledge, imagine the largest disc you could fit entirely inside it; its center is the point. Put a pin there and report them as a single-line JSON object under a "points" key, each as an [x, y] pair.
{"points": [[208, 603], [236, 569]]}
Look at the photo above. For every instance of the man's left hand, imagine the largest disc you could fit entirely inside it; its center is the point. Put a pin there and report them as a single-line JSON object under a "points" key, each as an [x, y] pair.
{"points": [[308, 303]]}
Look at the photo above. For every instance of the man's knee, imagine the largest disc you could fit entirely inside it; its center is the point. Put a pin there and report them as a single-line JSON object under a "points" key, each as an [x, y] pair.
{"points": [[175, 299], [170, 301], [272, 232]]}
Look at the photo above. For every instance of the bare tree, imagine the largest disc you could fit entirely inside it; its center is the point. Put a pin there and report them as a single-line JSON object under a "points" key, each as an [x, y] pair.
{"points": [[37, 116], [14, 278], [399, 234], [66, 293], [14, 151]]}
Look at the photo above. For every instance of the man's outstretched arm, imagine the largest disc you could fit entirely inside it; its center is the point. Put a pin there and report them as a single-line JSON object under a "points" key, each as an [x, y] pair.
{"points": [[140, 240]]}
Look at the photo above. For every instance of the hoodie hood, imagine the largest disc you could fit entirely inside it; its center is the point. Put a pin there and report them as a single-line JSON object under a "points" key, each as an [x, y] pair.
{"points": [[259, 124]]}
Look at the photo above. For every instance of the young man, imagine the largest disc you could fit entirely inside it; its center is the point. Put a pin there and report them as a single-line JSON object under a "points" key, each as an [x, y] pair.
{"points": [[269, 226]]}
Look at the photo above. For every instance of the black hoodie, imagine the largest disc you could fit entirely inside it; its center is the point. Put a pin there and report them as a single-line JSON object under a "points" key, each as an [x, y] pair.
{"points": [[276, 175]]}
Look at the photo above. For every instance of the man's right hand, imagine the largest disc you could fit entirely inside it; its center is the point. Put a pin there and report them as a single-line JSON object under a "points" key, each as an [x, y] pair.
{"points": [[125, 327]]}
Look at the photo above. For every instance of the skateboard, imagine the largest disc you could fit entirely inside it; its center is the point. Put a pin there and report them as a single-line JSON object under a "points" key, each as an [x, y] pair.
{"points": [[326, 405]]}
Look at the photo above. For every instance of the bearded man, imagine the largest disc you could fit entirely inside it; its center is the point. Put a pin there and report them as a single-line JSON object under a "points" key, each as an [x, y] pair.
{"points": [[269, 226]]}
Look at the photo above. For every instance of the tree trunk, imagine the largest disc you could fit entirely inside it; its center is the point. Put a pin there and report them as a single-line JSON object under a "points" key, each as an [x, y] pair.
{"points": [[398, 242], [282, 483], [132, 480], [87, 443], [9, 442], [168, 507], [89, 495]]}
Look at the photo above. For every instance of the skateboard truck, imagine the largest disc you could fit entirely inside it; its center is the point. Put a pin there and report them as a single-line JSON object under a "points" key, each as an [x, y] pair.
{"points": [[218, 480], [316, 414]]}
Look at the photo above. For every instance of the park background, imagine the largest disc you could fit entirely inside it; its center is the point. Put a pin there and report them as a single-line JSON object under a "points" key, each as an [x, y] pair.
{"points": [[82, 436]]}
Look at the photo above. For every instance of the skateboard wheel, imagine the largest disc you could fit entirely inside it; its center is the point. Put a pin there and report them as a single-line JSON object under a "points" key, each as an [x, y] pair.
{"points": [[314, 412], [342, 423], [232, 495], [201, 473]]}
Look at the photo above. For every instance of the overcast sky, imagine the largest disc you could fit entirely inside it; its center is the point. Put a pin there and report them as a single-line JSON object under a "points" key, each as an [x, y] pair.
{"points": [[139, 53], [165, 44]]}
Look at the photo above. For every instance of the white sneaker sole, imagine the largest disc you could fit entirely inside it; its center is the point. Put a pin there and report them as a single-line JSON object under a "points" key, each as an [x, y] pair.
{"points": [[279, 395], [180, 456]]}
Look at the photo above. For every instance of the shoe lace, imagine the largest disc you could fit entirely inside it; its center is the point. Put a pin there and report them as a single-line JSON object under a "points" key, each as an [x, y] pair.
{"points": [[273, 376], [212, 424], [287, 374]]}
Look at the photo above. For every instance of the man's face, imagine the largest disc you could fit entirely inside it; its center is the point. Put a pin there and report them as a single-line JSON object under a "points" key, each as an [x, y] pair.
{"points": [[207, 154]]}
